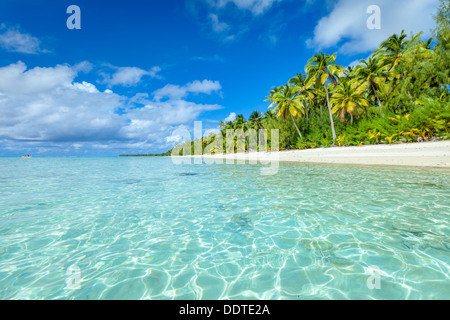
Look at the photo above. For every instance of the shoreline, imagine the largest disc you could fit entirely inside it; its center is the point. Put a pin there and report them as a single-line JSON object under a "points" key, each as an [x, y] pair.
{"points": [[422, 154]]}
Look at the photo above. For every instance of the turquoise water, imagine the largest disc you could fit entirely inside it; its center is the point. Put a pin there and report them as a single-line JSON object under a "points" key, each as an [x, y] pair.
{"points": [[143, 228]]}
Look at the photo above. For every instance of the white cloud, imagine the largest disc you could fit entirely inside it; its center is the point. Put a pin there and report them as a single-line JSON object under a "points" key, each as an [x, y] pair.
{"points": [[45, 109], [88, 87], [217, 25], [231, 117], [354, 63], [84, 67], [232, 24], [176, 92], [257, 7], [346, 25], [48, 106], [174, 139], [153, 72], [15, 79], [170, 91], [209, 131], [129, 76], [11, 39], [205, 86], [159, 118]]}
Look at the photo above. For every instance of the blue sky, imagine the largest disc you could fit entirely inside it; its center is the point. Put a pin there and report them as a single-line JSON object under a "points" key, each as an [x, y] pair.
{"points": [[139, 70]]}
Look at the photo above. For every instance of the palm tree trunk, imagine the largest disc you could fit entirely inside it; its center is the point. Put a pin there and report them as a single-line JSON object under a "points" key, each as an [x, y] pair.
{"points": [[376, 95], [307, 120], [351, 118], [378, 99], [331, 115], [299, 133]]}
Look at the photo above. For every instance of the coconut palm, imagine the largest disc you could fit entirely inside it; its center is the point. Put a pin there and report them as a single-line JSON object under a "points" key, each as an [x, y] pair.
{"points": [[268, 115], [393, 49], [255, 120], [420, 50], [285, 103], [348, 98], [321, 69], [350, 72], [229, 125], [305, 94], [239, 122], [372, 72]]}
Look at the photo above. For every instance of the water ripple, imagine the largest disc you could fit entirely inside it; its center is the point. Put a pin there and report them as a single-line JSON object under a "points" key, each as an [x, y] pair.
{"points": [[147, 229]]}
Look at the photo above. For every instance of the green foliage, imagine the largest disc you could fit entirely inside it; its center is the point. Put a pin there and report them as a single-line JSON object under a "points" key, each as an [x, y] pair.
{"points": [[400, 94]]}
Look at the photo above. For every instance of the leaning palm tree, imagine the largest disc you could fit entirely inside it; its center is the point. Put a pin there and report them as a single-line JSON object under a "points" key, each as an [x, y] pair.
{"points": [[285, 103], [348, 98], [321, 69]]}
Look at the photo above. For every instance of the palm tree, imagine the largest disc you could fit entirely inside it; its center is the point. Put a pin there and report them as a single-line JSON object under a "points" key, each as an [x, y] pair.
{"points": [[255, 120], [372, 72], [322, 68], [239, 122], [350, 72], [304, 92], [393, 49], [419, 50], [268, 115], [285, 103], [348, 98], [229, 125]]}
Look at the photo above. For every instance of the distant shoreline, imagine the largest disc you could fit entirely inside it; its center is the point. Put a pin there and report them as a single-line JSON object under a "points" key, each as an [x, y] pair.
{"points": [[423, 154]]}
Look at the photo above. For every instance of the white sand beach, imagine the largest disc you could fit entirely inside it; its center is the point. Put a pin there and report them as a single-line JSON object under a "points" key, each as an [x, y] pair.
{"points": [[424, 154]]}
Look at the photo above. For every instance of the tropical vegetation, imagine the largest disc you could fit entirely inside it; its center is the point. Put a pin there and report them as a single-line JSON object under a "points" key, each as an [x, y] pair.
{"points": [[399, 94]]}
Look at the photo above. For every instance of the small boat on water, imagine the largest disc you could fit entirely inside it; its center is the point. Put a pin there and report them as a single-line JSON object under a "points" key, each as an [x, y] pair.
{"points": [[27, 156]]}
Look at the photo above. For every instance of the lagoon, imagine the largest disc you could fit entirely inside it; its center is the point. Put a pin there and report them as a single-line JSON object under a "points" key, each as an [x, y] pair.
{"points": [[144, 228]]}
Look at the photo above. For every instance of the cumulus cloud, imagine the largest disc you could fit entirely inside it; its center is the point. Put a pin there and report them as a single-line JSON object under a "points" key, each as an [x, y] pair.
{"points": [[176, 92], [46, 109], [129, 76], [346, 25], [149, 122], [48, 106], [231, 117], [16, 79], [13, 40], [88, 87]]}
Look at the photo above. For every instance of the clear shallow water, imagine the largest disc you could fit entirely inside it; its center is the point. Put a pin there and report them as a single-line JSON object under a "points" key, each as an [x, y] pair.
{"points": [[143, 228]]}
